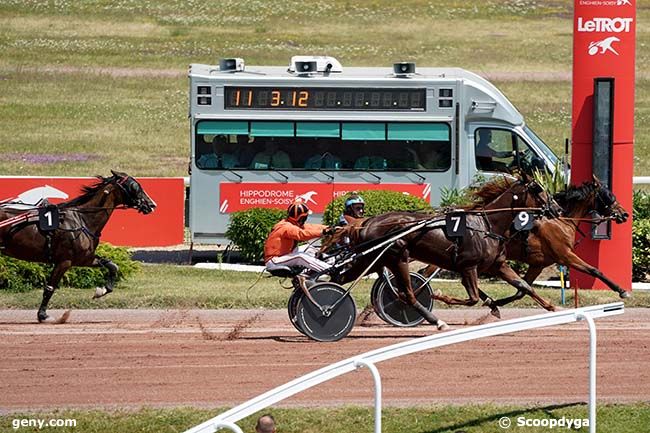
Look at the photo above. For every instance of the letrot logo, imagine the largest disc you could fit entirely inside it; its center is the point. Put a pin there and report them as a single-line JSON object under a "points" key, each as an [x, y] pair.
{"points": [[307, 197], [623, 2], [604, 46], [600, 25]]}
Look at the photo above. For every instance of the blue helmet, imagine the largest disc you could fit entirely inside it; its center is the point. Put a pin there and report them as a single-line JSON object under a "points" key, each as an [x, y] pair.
{"points": [[355, 199]]}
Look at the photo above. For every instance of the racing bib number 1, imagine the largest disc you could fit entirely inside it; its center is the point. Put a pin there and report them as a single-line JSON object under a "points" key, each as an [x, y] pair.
{"points": [[48, 218]]}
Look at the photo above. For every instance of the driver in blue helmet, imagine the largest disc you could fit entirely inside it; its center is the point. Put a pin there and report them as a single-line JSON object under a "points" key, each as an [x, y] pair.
{"points": [[355, 208]]}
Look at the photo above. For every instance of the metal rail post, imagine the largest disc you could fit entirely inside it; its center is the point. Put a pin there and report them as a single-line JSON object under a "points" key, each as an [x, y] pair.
{"points": [[377, 379], [229, 425], [592, 370]]}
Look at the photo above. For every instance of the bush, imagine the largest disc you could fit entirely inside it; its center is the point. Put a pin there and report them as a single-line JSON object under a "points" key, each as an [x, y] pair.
{"points": [[21, 276], [641, 204], [640, 249], [377, 202], [248, 230]]}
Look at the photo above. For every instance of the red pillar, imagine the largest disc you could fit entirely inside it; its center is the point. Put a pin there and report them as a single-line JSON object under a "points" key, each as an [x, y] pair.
{"points": [[604, 46]]}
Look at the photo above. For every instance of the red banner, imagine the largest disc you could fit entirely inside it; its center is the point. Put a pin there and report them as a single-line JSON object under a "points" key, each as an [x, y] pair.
{"points": [[163, 227], [604, 47], [241, 196]]}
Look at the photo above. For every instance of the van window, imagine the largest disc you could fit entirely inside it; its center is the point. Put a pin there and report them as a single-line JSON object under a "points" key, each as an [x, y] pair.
{"points": [[495, 151], [376, 146]]}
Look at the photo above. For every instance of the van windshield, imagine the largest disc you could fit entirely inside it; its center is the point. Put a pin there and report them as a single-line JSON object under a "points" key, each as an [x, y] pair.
{"points": [[548, 153]]}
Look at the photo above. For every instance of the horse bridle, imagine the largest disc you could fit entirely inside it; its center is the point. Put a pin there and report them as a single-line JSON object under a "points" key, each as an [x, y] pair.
{"points": [[123, 183]]}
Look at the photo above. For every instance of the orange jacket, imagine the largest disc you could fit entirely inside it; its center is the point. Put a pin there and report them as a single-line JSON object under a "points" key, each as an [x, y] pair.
{"points": [[285, 235]]}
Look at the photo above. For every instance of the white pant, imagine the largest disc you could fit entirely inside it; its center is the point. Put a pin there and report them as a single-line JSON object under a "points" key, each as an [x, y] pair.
{"points": [[298, 258]]}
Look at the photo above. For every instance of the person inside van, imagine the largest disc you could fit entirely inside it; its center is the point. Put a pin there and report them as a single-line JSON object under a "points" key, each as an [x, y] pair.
{"points": [[486, 153], [218, 156], [271, 157], [323, 157], [370, 160]]}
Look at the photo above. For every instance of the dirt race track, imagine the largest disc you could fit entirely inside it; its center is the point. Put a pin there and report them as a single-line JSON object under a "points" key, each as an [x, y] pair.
{"points": [[133, 358]]}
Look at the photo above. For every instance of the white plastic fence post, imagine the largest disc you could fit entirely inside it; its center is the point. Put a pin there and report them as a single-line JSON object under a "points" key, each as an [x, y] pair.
{"points": [[377, 378], [229, 425], [592, 370]]}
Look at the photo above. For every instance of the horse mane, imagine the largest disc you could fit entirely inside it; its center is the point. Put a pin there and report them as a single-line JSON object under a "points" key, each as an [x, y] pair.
{"points": [[573, 196], [88, 192], [489, 192]]}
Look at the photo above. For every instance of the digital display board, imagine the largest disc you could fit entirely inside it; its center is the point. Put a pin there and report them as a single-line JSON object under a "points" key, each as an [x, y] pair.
{"points": [[325, 98]]}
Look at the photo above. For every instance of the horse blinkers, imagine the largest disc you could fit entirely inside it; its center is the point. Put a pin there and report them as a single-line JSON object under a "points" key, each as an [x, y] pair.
{"points": [[134, 195]]}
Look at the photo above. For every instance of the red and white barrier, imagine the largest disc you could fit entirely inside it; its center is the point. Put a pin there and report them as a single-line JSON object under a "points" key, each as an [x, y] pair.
{"points": [[163, 227]]}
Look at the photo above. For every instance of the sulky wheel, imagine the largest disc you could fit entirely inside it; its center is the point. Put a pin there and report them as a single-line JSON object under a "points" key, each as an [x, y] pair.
{"points": [[333, 317], [380, 281], [394, 311], [292, 307]]}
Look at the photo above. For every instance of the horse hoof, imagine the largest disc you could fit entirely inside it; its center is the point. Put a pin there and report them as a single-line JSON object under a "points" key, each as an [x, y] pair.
{"points": [[496, 313], [624, 294], [100, 291], [442, 326], [42, 317]]}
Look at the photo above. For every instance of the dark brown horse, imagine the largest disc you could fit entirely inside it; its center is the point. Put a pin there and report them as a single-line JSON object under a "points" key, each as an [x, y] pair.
{"points": [[75, 240], [552, 240], [480, 250]]}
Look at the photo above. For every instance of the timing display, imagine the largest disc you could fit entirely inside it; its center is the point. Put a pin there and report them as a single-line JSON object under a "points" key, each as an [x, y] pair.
{"points": [[324, 98]]}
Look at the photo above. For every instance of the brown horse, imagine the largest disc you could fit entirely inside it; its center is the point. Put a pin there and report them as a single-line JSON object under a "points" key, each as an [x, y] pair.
{"points": [[480, 250], [552, 240], [75, 240]]}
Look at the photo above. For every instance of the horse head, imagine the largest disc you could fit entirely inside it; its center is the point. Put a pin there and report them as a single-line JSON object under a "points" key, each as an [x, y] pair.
{"points": [[605, 203], [508, 191], [133, 194]]}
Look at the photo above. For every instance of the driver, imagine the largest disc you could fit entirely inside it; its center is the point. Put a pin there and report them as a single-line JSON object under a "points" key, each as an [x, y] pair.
{"points": [[281, 246], [354, 209]]}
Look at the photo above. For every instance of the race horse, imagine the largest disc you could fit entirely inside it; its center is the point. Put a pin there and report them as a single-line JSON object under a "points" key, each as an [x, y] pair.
{"points": [[479, 250], [552, 239], [74, 241]]}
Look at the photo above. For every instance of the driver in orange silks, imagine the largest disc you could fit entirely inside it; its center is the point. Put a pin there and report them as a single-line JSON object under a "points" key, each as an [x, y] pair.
{"points": [[281, 247]]}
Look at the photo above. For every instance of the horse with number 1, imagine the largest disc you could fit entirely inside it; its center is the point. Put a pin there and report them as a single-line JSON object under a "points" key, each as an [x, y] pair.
{"points": [[67, 234]]}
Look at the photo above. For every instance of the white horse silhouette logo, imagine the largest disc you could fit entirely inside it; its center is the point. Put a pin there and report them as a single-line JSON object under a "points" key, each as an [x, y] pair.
{"points": [[307, 197], [623, 2], [604, 46]]}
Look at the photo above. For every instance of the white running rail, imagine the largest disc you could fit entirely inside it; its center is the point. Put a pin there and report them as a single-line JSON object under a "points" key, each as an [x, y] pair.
{"points": [[369, 359]]}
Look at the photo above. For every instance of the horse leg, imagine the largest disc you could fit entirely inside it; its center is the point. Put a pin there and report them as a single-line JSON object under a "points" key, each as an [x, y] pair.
{"points": [[506, 273], [403, 279], [52, 285], [469, 279], [532, 273], [110, 279], [572, 260]]}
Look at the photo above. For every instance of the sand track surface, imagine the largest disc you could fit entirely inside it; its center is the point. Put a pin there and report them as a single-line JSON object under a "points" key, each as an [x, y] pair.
{"points": [[134, 358]]}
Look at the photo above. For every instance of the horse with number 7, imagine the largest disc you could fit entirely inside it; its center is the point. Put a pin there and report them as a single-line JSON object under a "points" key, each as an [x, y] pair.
{"points": [[67, 234]]}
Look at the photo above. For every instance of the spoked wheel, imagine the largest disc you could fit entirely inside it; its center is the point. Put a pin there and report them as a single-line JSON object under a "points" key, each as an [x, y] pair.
{"points": [[292, 307], [333, 317], [396, 312]]}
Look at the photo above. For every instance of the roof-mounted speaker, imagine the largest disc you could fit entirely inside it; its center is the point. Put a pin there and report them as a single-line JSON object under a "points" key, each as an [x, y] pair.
{"points": [[309, 65], [231, 65], [403, 69]]}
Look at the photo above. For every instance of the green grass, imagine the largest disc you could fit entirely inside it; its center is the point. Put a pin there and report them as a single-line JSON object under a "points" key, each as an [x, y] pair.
{"points": [[166, 286], [139, 123], [629, 418]]}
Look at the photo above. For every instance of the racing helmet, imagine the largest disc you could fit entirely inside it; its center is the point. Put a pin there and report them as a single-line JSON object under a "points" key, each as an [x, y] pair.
{"points": [[298, 212], [354, 206]]}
